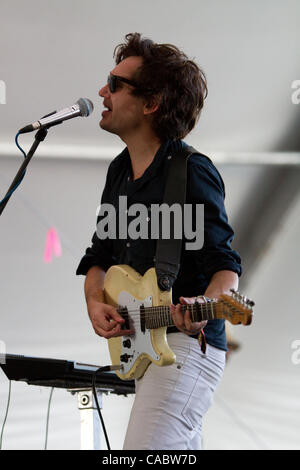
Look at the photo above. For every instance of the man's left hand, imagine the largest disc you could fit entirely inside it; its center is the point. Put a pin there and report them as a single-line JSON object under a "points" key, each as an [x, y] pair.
{"points": [[183, 321]]}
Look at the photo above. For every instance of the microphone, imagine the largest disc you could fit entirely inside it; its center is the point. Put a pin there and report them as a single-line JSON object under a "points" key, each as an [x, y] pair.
{"points": [[83, 107]]}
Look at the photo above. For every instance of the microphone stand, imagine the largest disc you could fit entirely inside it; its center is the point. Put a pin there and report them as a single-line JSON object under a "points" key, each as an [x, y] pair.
{"points": [[39, 137]]}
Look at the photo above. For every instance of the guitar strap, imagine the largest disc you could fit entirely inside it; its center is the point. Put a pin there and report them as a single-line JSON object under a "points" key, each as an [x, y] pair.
{"points": [[168, 251]]}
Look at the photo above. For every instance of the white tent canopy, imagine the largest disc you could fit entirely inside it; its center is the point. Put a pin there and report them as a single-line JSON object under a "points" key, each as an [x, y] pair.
{"points": [[249, 127]]}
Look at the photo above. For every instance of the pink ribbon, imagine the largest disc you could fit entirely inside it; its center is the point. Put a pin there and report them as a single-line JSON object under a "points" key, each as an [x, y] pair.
{"points": [[52, 245]]}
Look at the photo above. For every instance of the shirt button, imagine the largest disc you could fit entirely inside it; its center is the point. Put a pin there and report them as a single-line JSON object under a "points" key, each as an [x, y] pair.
{"points": [[128, 245], [148, 218], [169, 157]]}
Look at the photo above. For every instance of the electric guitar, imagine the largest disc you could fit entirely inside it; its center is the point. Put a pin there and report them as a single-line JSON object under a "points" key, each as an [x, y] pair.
{"points": [[146, 309]]}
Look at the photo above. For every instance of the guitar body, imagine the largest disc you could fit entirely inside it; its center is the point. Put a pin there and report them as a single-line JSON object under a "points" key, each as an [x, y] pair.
{"points": [[124, 287], [146, 310]]}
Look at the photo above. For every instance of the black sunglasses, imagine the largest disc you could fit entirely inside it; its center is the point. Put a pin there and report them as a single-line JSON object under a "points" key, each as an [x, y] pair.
{"points": [[112, 81]]}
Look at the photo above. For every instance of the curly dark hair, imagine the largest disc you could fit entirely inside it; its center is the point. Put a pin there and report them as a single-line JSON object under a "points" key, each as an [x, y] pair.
{"points": [[168, 74]]}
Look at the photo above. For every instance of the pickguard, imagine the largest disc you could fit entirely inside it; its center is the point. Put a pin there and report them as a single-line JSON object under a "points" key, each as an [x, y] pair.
{"points": [[140, 342]]}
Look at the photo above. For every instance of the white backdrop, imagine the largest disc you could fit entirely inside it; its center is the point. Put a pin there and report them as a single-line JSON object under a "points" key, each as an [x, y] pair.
{"points": [[43, 314], [50, 55]]}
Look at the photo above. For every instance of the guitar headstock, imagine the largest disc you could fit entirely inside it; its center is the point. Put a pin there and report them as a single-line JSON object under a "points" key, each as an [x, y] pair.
{"points": [[235, 308]]}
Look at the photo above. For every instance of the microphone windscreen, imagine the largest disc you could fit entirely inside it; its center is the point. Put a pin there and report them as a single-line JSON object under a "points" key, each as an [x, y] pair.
{"points": [[86, 106]]}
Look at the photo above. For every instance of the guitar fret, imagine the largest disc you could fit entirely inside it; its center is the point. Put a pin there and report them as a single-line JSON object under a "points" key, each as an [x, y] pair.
{"points": [[207, 311], [159, 316], [203, 312], [193, 313], [202, 309], [190, 308], [165, 316], [209, 305]]}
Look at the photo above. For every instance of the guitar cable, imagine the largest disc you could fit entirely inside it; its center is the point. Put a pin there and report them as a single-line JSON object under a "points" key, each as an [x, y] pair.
{"points": [[47, 420], [102, 369]]}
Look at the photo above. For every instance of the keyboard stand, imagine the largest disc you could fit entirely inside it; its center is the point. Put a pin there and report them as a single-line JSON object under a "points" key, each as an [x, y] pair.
{"points": [[76, 378]]}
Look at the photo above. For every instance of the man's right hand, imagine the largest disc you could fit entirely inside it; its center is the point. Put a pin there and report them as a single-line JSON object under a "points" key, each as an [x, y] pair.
{"points": [[106, 321]]}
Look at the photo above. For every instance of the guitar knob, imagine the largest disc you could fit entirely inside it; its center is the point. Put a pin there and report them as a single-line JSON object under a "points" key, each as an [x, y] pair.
{"points": [[127, 343], [125, 357]]}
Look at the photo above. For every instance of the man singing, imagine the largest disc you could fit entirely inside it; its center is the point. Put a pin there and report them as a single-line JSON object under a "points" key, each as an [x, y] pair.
{"points": [[152, 100]]}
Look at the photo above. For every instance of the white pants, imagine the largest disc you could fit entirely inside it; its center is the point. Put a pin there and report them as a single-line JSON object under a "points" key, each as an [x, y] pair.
{"points": [[171, 401]]}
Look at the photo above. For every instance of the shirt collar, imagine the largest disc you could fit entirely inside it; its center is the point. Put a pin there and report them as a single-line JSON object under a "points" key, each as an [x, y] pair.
{"points": [[166, 149]]}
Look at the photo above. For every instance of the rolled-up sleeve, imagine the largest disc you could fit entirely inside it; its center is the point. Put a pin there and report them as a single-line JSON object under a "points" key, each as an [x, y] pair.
{"points": [[98, 254], [100, 251], [206, 187]]}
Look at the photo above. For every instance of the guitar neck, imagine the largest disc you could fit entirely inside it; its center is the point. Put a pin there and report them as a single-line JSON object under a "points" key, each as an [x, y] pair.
{"points": [[156, 317], [235, 308]]}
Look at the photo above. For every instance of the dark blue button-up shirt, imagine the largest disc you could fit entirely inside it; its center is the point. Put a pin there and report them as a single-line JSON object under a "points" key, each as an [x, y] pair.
{"points": [[204, 186]]}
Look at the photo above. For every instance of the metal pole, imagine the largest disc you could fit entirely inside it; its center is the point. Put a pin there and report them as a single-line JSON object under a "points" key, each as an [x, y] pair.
{"points": [[90, 426]]}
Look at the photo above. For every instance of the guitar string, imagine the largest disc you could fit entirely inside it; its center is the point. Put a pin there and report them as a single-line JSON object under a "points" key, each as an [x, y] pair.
{"points": [[163, 310], [203, 306], [152, 315]]}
